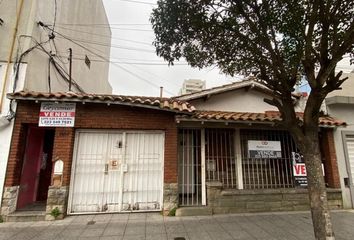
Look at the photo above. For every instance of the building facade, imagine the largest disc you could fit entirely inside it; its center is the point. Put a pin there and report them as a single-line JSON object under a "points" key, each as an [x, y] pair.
{"points": [[120, 156], [341, 104], [35, 40], [131, 154]]}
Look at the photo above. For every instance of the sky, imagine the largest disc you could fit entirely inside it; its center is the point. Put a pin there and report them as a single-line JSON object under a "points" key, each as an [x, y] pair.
{"points": [[139, 71]]}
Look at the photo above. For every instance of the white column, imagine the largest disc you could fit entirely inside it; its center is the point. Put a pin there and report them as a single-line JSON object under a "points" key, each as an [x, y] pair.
{"points": [[202, 154], [238, 159]]}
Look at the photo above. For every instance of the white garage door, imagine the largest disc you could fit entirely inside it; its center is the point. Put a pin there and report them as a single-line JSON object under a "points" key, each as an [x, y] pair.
{"points": [[117, 172]]}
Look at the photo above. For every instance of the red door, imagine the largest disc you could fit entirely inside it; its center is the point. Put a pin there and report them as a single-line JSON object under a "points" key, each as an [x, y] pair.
{"points": [[31, 167]]}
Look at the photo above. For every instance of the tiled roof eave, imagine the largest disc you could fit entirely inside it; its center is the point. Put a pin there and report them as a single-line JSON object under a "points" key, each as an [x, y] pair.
{"points": [[114, 100], [252, 118], [248, 121], [221, 120]]}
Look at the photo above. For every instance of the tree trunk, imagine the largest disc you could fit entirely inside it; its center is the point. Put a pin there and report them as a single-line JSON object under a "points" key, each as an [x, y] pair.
{"points": [[316, 187]]}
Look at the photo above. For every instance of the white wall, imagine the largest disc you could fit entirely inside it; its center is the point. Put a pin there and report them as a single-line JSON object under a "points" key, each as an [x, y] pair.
{"points": [[344, 112], [93, 79], [347, 87], [6, 127], [235, 101]]}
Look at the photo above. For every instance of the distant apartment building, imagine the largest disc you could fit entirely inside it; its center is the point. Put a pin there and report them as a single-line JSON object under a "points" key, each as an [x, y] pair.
{"points": [[36, 36], [191, 86]]}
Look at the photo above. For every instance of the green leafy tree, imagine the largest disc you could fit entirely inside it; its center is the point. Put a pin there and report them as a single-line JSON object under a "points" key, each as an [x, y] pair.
{"points": [[278, 41]]}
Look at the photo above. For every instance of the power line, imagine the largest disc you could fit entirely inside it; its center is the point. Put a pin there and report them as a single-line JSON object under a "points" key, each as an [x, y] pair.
{"points": [[140, 2], [55, 13], [106, 36], [141, 78], [132, 29], [102, 57], [102, 24], [113, 46], [109, 26], [133, 63], [127, 59]]}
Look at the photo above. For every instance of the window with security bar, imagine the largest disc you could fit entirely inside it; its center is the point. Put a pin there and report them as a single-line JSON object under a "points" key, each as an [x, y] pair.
{"points": [[267, 159], [220, 156]]}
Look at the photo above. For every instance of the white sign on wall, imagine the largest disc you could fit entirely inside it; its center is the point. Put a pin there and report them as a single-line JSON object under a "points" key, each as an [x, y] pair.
{"points": [[264, 149], [57, 114]]}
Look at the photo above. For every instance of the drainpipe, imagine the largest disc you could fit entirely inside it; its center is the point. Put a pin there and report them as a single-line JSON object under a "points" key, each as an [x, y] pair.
{"points": [[10, 55]]}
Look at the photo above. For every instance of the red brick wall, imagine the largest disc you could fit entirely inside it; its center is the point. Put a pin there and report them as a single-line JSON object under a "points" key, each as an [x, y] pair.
{"points": [[330, 159], [25, 114], [93, 116], [63, 149]]}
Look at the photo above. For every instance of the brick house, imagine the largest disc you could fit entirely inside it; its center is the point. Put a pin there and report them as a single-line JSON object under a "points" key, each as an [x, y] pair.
{"points": [[233, 122], [136, 119], [130, 154]]}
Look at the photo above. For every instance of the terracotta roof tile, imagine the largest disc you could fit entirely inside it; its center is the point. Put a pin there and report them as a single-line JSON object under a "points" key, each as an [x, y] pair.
{"points": [[142, 101], [272, 116]]}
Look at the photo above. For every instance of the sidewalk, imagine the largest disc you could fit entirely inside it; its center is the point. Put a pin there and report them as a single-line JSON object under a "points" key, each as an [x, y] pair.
{"points": [[282, 226]]}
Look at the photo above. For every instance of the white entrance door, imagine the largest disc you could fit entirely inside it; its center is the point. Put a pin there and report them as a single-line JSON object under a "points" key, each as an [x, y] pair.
{"points": [[115, 172]]}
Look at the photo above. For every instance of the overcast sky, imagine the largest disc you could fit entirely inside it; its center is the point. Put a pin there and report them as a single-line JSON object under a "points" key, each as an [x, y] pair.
{"points": [[139, 71]]}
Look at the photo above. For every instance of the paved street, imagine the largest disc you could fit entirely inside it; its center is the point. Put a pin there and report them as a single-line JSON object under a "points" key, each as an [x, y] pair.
{"points": [[289, 226]]}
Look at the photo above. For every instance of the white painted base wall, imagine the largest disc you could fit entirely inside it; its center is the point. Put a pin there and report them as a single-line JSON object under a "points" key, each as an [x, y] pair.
{"points": [[5, 140], [6, 127]]}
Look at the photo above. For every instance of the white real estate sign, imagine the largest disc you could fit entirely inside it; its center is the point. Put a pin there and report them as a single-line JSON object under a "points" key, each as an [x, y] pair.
{"points": [[264, 149], [57, 114]]}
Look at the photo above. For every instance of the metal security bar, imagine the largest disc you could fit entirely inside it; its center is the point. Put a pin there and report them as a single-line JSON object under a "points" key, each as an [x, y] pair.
{"points": [[267, 172], [189, 167], [220, 157]]}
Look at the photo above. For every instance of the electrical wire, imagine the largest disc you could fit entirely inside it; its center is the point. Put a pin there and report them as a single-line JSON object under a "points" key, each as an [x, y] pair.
{"points": [[112, 45], [105, 36], [126, 59], [65, 76], [102, 24], [55, 13], [134, 63], [39, 45], [19, 60], [104, 58], [141, 78], [139, 2], [115, 28]]}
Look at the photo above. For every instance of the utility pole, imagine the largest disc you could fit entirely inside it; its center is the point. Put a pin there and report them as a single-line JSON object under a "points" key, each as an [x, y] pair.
{"points": [[70, 66]]}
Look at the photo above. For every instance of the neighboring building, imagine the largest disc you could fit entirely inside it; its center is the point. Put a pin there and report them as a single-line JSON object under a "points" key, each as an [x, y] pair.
{"points": [[191, 86], [35, 58], [120, 156], [222, 136], [341, 105], [131, 154]]}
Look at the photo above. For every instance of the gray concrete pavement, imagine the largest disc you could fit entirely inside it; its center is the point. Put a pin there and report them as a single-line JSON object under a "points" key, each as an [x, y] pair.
{"points": [[153, 226]]}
